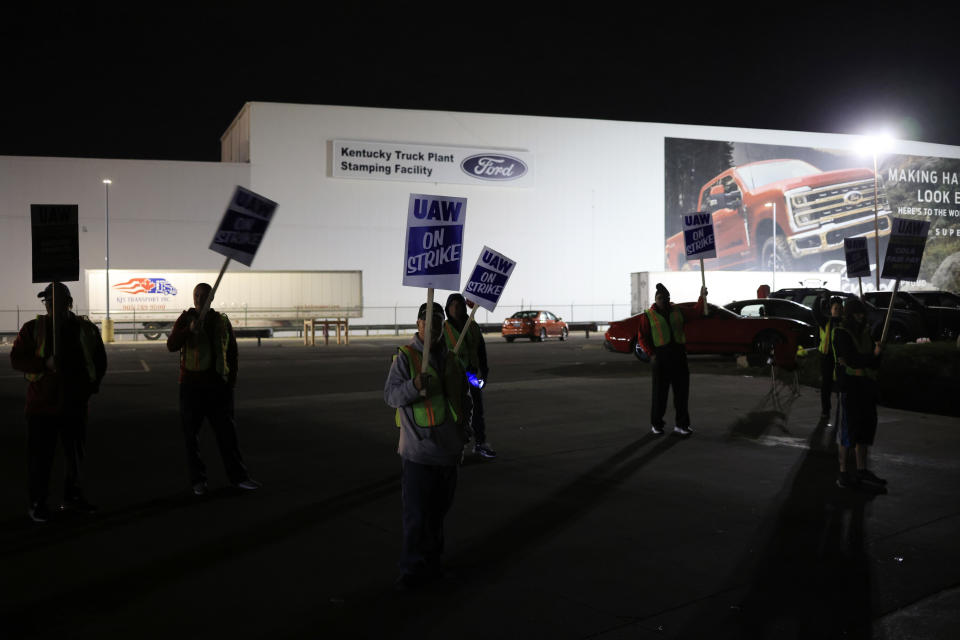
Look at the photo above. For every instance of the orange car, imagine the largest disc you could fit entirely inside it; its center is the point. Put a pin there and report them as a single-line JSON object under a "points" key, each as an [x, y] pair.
{"points": [[536, 325]]}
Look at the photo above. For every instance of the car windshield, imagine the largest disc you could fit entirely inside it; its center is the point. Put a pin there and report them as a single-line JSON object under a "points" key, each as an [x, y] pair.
{"points": [[715, 311], [761, 174], [525, 314]]}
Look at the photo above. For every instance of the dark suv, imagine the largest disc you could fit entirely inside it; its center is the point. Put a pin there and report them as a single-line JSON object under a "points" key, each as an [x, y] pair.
{"points": [[939, 309], [906, 325]]}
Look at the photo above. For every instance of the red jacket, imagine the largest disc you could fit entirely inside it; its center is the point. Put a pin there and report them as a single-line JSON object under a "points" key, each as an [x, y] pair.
{"points": [[645, 337], [66, 391]]}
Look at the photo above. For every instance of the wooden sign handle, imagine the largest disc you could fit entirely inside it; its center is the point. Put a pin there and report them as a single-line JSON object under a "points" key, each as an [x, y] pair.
{"points": [[463, 333], [213, 291], [428, 326], [886, 323]]}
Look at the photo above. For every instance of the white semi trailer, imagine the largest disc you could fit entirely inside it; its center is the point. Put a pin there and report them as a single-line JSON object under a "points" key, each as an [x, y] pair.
{"points": [[148, 301]]}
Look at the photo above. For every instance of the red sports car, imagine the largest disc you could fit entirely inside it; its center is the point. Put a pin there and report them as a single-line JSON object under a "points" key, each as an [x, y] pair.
{"points": [[721, 331]]}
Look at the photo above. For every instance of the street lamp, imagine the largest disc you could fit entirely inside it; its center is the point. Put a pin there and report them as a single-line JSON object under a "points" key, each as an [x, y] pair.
{"points": [[874, 145], [108, 323], [773, 276]]}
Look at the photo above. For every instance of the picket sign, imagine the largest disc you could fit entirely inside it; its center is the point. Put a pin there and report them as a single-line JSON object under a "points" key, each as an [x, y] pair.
{"points": [[433, 251], [902, 261], [239, 235], [54, 235], [700, 241], [485, 285]]}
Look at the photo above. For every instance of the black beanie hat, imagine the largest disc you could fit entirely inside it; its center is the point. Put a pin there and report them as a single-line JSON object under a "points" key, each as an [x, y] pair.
{"points": [[852, 306], [437, 311], [451, 298], [662, 289]]}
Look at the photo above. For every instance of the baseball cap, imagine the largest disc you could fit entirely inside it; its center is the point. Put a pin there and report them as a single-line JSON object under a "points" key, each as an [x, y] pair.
{"points": [[61, 292], [437, 311]]}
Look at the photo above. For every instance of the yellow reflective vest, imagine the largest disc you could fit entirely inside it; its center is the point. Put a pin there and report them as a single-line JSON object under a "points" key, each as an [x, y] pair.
{"points": [[87, 342], [826, 338], [443, 394], [469, 351], [200, 352], [660, 331]]}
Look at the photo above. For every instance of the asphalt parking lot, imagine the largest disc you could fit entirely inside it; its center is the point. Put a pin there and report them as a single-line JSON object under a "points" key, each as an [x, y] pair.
{"points": [[585, 526]]}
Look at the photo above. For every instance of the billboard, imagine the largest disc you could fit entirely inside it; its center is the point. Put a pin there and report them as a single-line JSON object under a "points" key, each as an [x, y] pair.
{"points": [[816, 198]]}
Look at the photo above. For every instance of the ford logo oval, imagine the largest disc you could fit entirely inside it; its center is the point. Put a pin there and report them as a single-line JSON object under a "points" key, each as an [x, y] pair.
{"points": [[493, 166], [853, 197]]}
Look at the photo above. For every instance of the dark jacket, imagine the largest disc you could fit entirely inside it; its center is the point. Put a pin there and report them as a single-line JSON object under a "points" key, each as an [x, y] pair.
{"points": [[66, 391]]}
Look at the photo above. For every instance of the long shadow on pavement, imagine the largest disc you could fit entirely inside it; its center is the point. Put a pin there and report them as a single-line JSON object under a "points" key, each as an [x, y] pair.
{"points": [[480, 564], [98, 597], [811, 575]]}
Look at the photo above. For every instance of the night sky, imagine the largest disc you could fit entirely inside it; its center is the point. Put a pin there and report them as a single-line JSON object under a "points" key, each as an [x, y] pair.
{"points": [[98, 80]]}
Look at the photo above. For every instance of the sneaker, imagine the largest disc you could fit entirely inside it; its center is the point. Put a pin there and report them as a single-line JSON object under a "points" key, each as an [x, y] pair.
{"points": [[865, 475], [845, 480], [79, 505], [38, 512], [682, 431], [655, 430], [200, 489], [484, 450], [248, 485]]}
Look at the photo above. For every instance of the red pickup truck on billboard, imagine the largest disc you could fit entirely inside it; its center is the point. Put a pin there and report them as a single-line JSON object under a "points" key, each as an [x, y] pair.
{"points": [[815, 211]]}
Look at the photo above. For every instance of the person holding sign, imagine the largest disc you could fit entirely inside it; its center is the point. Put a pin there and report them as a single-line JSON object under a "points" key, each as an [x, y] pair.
{"points": [[473, 357], [62, 356], [208, 375], [828, 325], [858, 360], [430, 412], [661, 336]]}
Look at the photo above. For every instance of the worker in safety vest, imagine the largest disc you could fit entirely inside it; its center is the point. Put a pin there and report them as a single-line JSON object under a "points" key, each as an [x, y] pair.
{"points": [[430, 410], [473, 357], [62, 357], [828, 324], [662, 338], [208, 375], [858, 366]]}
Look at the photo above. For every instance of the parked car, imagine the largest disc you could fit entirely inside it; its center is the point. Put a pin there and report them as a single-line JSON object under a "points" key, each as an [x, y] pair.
{"points": [[815, 211], [938, 298], [941, 321], [780, 308], [720, 332], [905, 325], [536, 325]]}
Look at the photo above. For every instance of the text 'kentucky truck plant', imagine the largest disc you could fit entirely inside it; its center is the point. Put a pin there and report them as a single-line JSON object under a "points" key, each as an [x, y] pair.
{"points": [[815, 211]]}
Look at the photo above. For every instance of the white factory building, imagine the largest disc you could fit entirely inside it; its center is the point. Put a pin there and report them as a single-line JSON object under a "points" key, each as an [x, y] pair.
{"points": [[584, 210]]}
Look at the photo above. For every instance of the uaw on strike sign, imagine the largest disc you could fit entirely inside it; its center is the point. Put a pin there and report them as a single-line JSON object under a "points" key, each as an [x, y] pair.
{"points": [[434, 246], [698, 235], [243, 226], [488, 279]]}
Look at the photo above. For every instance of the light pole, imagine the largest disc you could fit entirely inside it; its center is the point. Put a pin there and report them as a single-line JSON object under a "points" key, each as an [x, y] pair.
{"points": [[773, 276], [876, 216], [874, 145], [107, 322]]}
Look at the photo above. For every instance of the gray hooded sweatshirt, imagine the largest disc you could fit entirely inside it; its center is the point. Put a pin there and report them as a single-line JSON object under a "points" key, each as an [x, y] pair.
{"points": [[439, 445]]}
